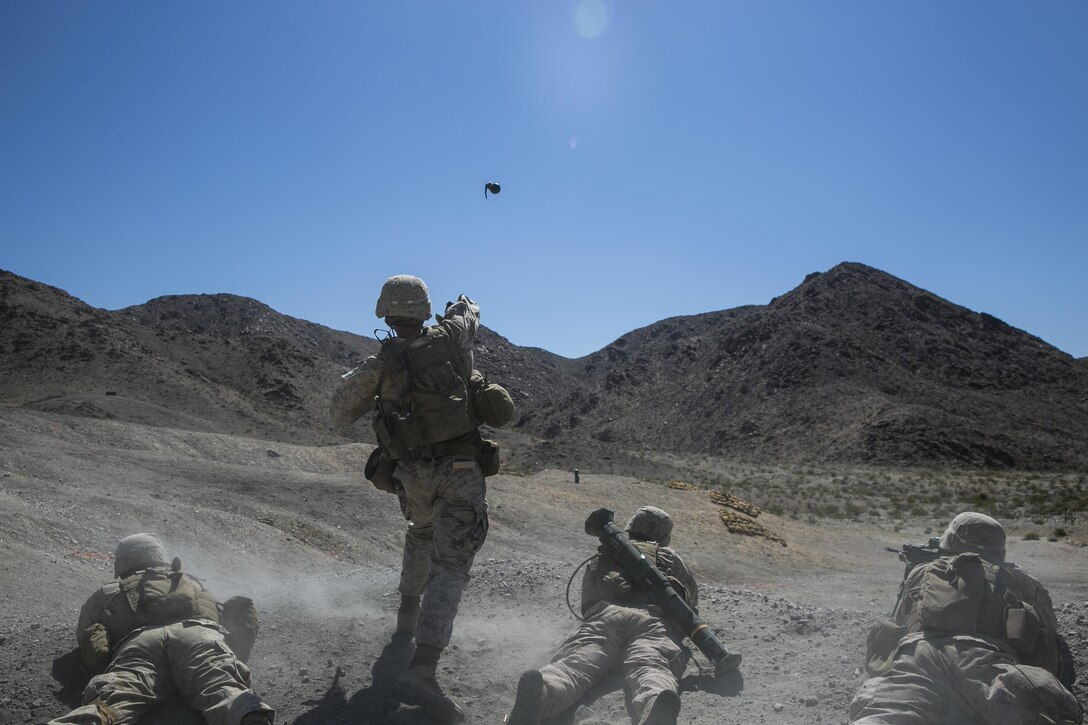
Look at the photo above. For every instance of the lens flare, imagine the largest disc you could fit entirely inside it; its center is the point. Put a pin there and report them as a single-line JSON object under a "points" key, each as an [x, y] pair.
{"points": [[573, 142], [590, 18]]}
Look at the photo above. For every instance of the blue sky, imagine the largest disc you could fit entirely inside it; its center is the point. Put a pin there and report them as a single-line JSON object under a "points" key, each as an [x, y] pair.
{"points": [[656, 158]]}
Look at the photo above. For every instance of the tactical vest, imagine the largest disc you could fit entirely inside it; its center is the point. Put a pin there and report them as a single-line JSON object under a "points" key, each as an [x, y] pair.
{"points": [[966, 594], [614, 586], [155, 597], [431, 414]]}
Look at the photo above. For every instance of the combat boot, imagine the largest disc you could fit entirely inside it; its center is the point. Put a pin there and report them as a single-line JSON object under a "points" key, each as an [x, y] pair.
{"points": [[418, 686], [662, 710], [529, 700], [407, 616], [258, 717]]}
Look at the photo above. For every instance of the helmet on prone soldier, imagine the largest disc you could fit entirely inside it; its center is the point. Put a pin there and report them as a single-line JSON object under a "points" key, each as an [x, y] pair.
{"points": [[136, 552], [404, 296], [650, 523], [971, 531]]}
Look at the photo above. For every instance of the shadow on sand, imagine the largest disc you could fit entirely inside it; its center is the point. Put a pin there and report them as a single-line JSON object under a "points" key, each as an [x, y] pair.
{"points": [[373, 705]]}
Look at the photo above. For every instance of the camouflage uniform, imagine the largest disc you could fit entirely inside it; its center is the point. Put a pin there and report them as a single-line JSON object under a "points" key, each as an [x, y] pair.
{"points": [[445, 496], [628, 633], [145, 664], [928, 675]]}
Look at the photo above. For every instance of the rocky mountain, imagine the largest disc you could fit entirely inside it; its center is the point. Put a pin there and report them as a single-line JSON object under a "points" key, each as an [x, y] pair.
{"points": [[854, 365], [204, 362]]}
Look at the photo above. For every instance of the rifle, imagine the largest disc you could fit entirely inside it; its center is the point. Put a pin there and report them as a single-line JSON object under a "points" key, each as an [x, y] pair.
{"points": [[914, 554], [647, 577]]}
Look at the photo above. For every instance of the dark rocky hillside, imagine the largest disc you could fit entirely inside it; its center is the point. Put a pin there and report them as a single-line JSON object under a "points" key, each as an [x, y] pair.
{"points": [[205, 362], [853, 365]]}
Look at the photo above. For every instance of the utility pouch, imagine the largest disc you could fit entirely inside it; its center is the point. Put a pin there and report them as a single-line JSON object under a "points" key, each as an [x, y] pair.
{"points": [[1022, 629], [379, 471], [487, 455]]}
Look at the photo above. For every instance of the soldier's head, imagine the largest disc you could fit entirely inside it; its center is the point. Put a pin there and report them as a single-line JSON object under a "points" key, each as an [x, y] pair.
{"points": [[975, 532], [650, 523], [138, 551], [405, 304]]}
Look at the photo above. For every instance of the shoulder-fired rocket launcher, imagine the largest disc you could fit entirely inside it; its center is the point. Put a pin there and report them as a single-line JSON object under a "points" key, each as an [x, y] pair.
{"points": [[647, 577]]}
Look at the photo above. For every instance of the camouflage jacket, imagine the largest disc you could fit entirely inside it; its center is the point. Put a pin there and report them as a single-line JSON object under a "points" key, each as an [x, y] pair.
{"points": [[107, 618], [1014, 584], [355, 395], [667, 561]]}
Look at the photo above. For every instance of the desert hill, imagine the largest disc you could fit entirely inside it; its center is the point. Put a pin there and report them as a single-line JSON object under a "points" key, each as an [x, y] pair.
{"points": [[217, 363], [854, 365]]}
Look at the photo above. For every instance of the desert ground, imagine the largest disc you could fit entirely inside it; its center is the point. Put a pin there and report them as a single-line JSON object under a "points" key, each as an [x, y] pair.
{"points": [[299, 530]]}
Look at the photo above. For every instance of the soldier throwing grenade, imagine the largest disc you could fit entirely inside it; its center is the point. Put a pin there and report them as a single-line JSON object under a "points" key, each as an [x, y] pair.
{"points": [[419, 386]]}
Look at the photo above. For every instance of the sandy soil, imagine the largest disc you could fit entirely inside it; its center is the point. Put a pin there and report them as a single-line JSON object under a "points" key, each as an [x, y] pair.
{"points": [[298, 529]]}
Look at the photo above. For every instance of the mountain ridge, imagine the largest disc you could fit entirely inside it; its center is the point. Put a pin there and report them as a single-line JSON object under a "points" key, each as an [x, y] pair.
{"points": [[853, 365]]}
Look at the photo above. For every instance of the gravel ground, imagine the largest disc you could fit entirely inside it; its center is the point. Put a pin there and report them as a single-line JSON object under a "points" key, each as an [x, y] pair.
{"points": [[320, 554]]}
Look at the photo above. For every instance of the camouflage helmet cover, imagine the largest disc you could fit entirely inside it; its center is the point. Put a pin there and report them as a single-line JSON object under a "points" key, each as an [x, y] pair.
{"points": [[650, 523], [972, 531], [138, 551], [406, 296]]}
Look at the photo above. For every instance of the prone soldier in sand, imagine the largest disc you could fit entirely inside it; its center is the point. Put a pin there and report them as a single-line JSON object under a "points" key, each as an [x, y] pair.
{"points": [[154, 631], [974, 642], [638, 604], [429, 402]]}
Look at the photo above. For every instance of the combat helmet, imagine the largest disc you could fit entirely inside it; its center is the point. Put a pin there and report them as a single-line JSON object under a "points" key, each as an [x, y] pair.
{"points": [[972, 531], [138, 551], [650, 523], [404, 296]]}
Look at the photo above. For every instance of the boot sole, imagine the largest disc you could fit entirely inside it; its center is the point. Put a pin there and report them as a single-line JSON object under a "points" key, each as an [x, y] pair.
{"points": [[439, 708]]}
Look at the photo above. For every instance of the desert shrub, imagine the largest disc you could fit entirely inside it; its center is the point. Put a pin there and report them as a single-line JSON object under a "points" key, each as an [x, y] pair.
{"points": [[1059, 533], [1031, 536]]}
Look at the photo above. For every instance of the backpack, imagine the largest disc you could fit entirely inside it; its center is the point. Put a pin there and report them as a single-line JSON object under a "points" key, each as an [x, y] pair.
{"points": [[966, 594], [159, 596], [434, 404]]}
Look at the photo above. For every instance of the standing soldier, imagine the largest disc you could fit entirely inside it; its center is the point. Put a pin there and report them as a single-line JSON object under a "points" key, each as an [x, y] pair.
{"points": [[974, 642], [419, 386]]}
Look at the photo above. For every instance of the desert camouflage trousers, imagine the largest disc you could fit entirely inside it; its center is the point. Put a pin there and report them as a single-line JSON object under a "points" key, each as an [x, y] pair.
{"points": [[447, 508], [635, 638], [962, 680], [189, 658]]}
